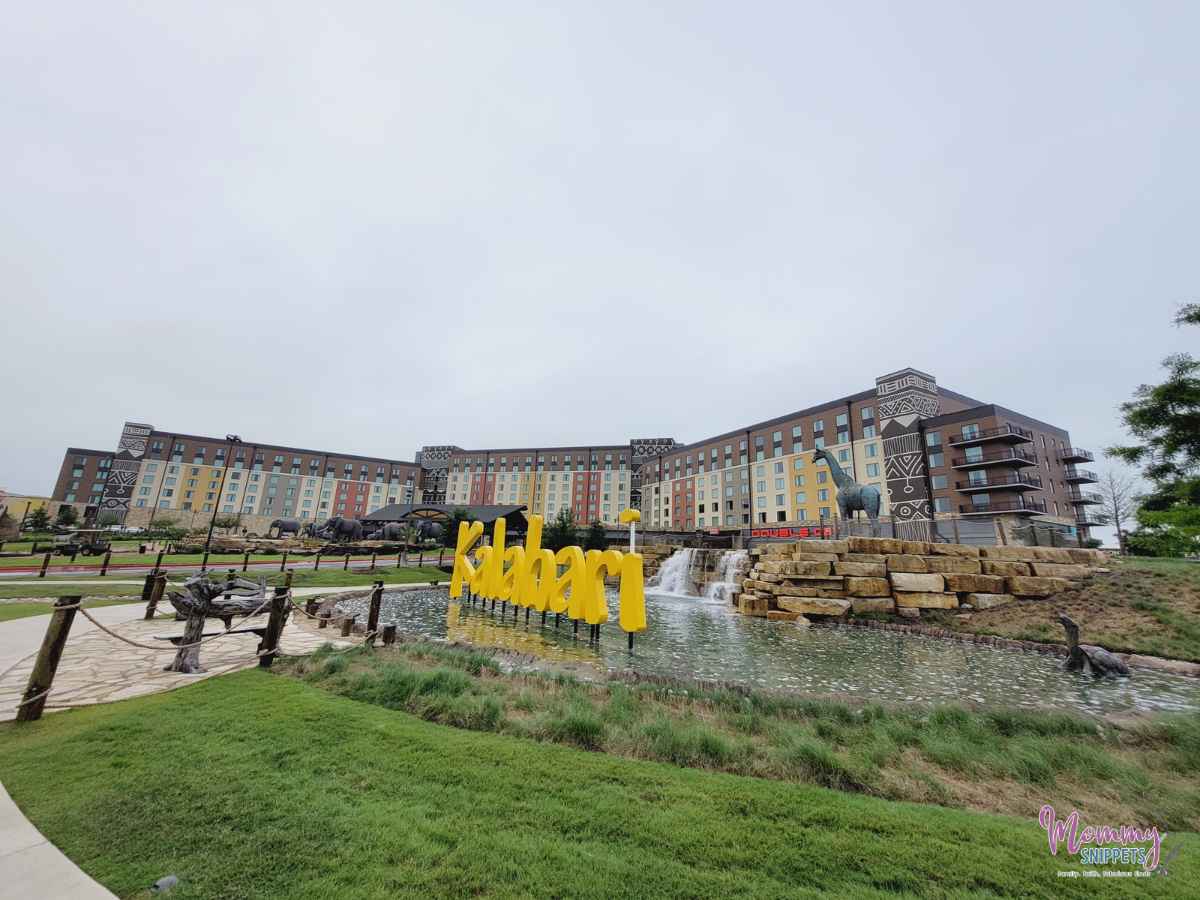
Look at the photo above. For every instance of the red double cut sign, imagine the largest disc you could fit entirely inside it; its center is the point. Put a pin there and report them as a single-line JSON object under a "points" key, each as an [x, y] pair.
{"points": [[802, 532]]}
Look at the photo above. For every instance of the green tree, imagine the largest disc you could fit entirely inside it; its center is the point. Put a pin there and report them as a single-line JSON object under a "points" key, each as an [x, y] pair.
{"points": [[66, 515], [225, 523], [39, 519], [106, 518], [1165, 420], [450, 526], [166, 528], [596, 537], [562, 531]]}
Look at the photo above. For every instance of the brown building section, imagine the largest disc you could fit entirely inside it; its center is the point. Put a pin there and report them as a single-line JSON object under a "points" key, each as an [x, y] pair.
{"points": [[82, 475]]}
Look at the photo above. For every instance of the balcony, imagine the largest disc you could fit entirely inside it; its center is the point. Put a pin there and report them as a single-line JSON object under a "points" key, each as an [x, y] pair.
{"points": [[1018, 481], [1075, 454], [1086, 519], [1009, 434], [1013, 457], [1079, 476], [1082, 497], [1021, 506]]}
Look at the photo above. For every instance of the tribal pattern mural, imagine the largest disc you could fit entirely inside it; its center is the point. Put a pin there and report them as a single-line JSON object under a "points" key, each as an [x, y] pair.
{"points": [[906, 397], [122, 476]]}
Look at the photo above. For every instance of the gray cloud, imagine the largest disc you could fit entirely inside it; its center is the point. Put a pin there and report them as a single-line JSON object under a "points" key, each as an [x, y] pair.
{"points": [[390, 224]]}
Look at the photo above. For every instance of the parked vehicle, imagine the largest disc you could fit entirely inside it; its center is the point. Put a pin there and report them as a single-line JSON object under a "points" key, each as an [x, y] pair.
{"points": [[84, 541]]}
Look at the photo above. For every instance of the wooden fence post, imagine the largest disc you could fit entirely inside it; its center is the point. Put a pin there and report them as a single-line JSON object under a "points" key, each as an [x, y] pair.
{"points": [[346, 564], [373, 560], [45, 565], [270, 639], [148, 588], [158, 562], [204, 563], [287, 579], [421, 558], [317, 562], [156, 592], [104, 565], [283, 562], [373, 613], [312, 605], [42, 676], [347, 626], [323, 621], [245, 560], [389, 635]]}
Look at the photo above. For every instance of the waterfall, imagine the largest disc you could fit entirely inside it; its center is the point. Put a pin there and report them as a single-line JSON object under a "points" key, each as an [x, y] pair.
{"points": [[675, 574], [729, 576]]}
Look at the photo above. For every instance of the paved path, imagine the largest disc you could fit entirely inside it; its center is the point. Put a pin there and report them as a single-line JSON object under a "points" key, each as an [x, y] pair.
{"points": [[32, 867]]}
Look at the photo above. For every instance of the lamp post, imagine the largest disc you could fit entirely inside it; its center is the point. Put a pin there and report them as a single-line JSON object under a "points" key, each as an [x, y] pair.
{"points": [[232, 439]]}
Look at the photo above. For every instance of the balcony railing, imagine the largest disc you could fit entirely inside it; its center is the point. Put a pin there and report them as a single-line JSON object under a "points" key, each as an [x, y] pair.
{"points": [[1079, 476], [1076, 454], [1085, 519], [1013, 457], [1084, 497], [1019, 481], [1022, 505], [1010, 433]]}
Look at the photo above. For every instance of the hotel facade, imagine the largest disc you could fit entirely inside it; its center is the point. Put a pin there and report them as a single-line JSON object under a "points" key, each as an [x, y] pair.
{"points": [[932, 452]]}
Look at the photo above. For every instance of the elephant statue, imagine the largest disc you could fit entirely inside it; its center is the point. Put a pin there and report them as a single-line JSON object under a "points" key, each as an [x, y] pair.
{"points": [[338, 529], [389, 531], [285, 526], [311, 530]]}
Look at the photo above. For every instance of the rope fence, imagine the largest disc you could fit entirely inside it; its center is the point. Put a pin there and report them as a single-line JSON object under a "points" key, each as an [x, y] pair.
{"points": [[282, 604]]}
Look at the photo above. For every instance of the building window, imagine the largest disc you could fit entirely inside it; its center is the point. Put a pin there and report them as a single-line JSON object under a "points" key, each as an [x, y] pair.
{"points": [[936, 460], [941, 504], [938, 482], [872, 470]]}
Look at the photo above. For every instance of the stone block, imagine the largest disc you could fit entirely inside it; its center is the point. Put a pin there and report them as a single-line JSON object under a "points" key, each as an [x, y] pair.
{"points": [[781, 615], [926, 600], [908, 581], [865, 557], [831, 592], [964, 550], [768, 578], [772, 566], [1053, 555], [1004, 567], [800, 556], [915, 548], [1021, 554], [822, 547], [862, 605], [987, 601], [875, 545], [960, 565], [1060, 570], [810, 568], [906, 613], [1035, 586], [860, 569], [983, 584], [868, 587], [906, 563], [802, 587], [1087, 556], [815, 606]]}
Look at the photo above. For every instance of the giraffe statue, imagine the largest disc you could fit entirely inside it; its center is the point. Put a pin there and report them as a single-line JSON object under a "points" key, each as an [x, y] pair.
{"points": [[852, 496]]}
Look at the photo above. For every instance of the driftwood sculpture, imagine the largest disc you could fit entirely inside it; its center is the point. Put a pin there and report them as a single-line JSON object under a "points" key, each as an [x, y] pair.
{"points": [[204, 599], [1089, 658]]}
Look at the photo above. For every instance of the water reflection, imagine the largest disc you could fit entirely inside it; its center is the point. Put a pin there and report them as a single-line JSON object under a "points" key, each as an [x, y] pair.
{"points": [[691, 638]]}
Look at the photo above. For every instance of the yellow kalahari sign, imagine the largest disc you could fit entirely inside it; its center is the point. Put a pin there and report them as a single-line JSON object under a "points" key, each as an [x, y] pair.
{"points": [[528, 576]]}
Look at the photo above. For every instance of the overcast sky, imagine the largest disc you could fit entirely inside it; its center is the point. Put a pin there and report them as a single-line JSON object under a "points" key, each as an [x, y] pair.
{"points": [[369, 226]]}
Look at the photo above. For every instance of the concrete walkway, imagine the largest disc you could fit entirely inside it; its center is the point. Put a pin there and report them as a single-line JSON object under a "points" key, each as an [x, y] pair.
{"points": [[32, 867]]}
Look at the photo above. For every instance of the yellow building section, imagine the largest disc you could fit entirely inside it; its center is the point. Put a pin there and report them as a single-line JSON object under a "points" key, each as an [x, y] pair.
{"points": [[790, 488]]}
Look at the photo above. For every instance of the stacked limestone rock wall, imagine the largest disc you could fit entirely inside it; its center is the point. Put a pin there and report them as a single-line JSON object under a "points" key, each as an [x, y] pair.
{"points": [[653, 556], [881, 575]]}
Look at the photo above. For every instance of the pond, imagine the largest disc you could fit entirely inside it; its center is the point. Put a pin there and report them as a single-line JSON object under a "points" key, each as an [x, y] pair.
{"points": [[688, 637]]}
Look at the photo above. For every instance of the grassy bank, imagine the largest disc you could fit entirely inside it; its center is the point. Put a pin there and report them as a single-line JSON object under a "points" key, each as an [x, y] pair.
{"points": [[294, 792], [1147, 606], [337, 578], [996, 761], [64, 589], [10, 611]]}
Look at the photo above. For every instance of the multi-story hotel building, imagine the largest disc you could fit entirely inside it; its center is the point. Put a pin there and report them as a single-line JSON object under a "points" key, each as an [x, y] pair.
{"points": [[192, 477], [932, 453]]}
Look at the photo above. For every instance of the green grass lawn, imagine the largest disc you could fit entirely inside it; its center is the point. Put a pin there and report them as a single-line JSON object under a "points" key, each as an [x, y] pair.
{"points": [[9, 611], [259, 786], [215, 560], [1008, 761]]}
